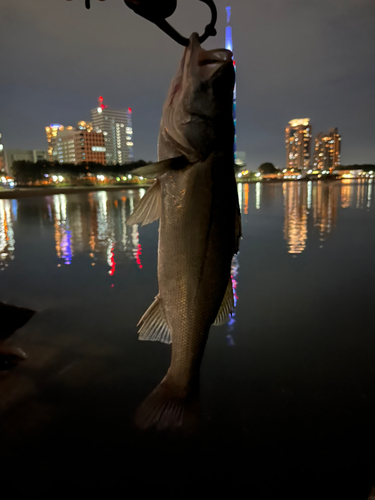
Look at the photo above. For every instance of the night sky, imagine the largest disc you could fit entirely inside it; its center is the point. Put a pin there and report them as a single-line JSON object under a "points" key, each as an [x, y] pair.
{"points": [[295, 59]]}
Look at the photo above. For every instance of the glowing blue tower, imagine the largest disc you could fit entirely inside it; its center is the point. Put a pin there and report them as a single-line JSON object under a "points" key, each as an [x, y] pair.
{"points": [[229, 46]]}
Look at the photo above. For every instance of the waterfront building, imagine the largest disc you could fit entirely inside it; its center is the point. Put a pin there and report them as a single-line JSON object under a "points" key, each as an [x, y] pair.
{"points": [[51, 133], [77, 145], [298, 144], [327, 151], [116, 126], [33, 155]]}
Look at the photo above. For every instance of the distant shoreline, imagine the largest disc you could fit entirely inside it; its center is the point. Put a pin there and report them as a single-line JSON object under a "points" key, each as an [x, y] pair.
{"points": [[29, 192]]}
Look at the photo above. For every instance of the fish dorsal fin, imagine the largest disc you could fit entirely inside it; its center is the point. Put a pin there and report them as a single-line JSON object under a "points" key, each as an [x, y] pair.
{"points": [[226, 307], [157, 169], [149, 208], [153, 325]]}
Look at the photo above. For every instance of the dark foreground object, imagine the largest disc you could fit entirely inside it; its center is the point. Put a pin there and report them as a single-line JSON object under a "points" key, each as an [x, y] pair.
{"points": [[13, 318]]}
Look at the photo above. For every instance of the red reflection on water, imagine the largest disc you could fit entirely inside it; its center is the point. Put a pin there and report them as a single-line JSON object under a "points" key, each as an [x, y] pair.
{"points": [[113, 263], [138, 258]]}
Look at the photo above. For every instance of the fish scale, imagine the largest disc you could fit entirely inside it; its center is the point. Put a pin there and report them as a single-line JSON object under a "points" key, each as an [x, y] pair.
{"points": [[193, 276]]}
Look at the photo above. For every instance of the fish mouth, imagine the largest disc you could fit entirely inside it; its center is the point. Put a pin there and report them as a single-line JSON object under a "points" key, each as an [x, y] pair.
{"points": [[210, 61], [204, 63]]}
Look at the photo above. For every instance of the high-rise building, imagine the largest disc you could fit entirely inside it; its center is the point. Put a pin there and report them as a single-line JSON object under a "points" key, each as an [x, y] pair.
{"points": [[33, 155], [78, 145], [2, 158], [327, 150], [229, 46], [116, 126], [51, 133], [298, 144]]}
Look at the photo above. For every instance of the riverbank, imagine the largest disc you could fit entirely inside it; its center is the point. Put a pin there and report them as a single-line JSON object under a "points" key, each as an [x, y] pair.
{"points": [[49, 191], [28, 192]]}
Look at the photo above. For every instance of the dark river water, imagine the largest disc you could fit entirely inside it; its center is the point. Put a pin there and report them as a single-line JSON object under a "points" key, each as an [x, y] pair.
{"points": [[287, 386]]}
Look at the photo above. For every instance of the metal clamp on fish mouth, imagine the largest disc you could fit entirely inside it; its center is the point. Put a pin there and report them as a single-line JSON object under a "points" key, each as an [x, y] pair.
{"points": [[164, 9]]}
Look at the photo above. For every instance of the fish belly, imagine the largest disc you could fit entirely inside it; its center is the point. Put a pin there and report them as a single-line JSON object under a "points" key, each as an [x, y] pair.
{"points": [[196, 242]]}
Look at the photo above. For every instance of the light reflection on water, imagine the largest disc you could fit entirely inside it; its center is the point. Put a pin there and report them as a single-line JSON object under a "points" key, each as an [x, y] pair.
{"points": [[75, 230], [97, 226], [91, 227], [8, 215], [305, 201]]}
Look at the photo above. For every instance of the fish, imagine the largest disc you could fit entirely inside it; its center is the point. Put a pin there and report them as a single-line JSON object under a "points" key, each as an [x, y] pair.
{"points": [[195, 199]]}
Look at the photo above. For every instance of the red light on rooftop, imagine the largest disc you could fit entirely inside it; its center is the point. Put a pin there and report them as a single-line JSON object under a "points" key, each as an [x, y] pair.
{"points": [[130, 110], [100, 99]]}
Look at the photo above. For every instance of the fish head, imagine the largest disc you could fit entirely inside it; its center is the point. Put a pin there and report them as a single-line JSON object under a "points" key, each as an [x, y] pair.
{"points": [[198, 113]]}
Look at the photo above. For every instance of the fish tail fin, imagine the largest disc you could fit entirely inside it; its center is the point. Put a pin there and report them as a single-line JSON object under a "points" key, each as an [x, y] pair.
{"points": [[168, 409]]}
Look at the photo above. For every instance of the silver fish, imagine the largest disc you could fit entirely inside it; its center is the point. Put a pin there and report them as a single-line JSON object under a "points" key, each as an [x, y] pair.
{"points": [[195, 197]]}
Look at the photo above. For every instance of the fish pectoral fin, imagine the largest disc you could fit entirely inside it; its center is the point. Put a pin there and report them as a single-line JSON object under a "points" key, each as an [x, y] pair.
{"points": [[157, 169], [226, 307], [153, 325], [149, 208]]}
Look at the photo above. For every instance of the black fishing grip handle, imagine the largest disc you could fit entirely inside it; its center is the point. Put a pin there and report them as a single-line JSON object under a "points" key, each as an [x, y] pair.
{"points": [[87, 3], [160, 21]]}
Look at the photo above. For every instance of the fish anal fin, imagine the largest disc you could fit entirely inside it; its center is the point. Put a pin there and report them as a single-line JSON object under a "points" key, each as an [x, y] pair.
{"points": [[153, 325], [157, 169], [149, 208], [226, 307]]}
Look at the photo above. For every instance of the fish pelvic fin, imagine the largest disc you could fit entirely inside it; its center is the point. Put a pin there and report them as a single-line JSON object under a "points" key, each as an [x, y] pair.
{"points": [[153, 325], [227, 306], [155, 170], [149, 208], [168, 409]]}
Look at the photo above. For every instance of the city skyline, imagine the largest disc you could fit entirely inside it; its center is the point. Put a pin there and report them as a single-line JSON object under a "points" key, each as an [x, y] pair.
{"points": [[302, 155], [76, 145], [325, 76], [298, 136], [327, 151]]}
